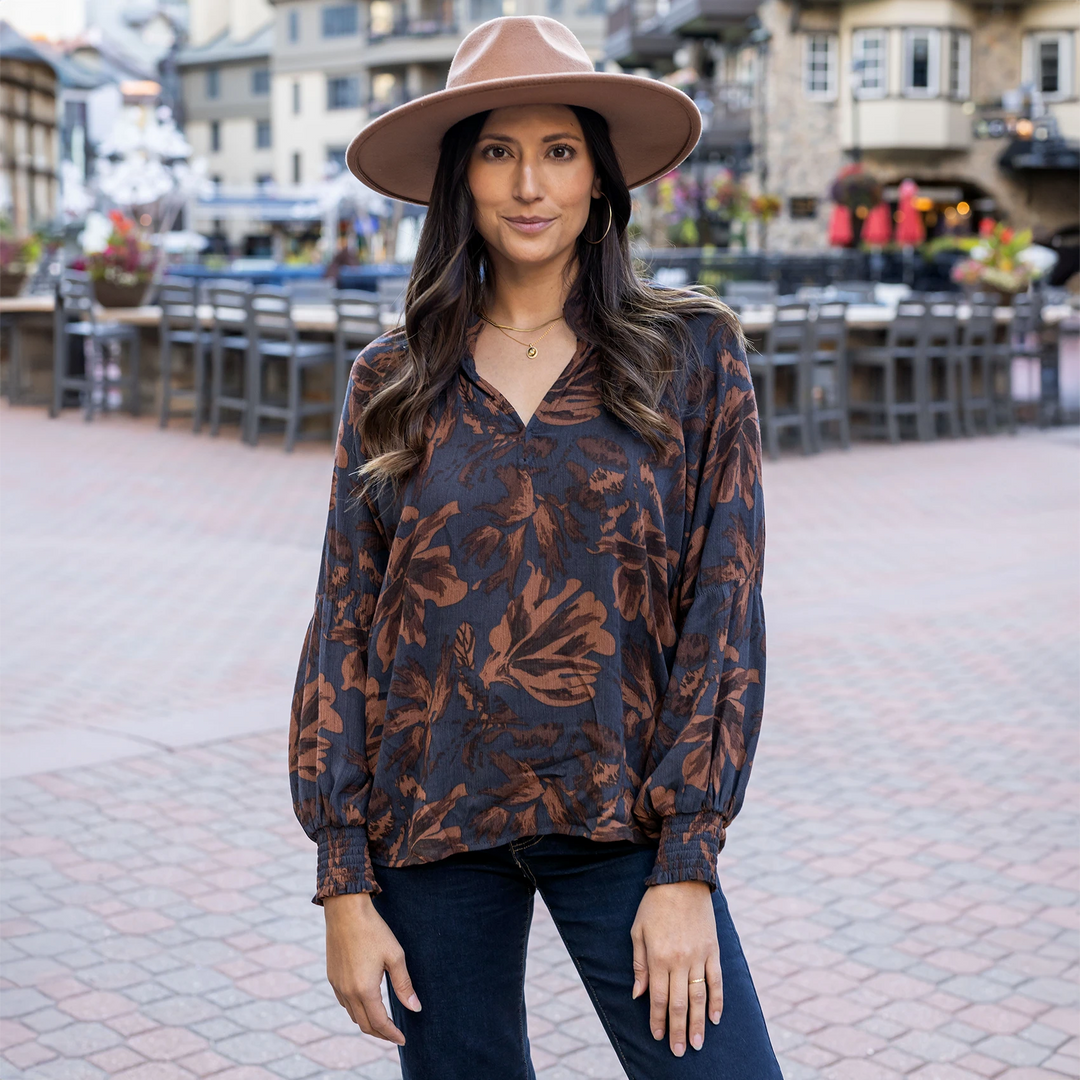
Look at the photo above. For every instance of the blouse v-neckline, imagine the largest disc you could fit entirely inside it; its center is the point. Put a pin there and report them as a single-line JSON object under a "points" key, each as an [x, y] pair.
{"points": [[503, 402]]}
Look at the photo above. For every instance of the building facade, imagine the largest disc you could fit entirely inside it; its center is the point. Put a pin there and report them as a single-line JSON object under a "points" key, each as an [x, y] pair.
{"points": [[338, 63], [976, 102]]}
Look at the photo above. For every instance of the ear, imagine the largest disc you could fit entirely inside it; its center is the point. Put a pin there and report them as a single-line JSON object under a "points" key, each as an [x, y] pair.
{"points": [[596, 192]]}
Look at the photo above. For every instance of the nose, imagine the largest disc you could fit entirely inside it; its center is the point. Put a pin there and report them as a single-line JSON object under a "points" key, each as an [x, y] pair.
{"points": [[527, 185]]}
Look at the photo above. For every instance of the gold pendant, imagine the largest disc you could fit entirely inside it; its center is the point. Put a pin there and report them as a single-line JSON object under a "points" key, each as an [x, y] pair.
{"points": [[532, 351]]}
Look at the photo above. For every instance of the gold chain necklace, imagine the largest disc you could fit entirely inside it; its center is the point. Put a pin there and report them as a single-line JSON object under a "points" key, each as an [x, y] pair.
{"points": [[530, 352]]}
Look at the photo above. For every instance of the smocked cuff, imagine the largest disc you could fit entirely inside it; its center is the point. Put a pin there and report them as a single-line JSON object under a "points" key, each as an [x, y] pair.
{"points": [[344, 864], [689, 847]]}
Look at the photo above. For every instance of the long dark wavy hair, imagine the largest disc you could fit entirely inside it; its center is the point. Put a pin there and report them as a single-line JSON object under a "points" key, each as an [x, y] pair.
{"points": [[638, 328]]}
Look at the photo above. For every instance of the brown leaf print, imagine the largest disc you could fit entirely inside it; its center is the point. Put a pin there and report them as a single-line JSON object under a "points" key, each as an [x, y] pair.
{"points": [[640, 580], [317, 717], [417, 573], [542, 644]]}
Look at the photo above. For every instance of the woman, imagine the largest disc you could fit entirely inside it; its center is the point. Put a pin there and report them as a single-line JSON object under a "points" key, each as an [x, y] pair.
{"points": [[537, 654]]}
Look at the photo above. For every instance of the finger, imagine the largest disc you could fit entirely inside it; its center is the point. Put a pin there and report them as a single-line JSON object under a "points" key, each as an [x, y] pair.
{"points": [[641, 965], [658, 1001], [400, 981], [677, 1003], [697, 993], [715, 979], [381, 1024]]}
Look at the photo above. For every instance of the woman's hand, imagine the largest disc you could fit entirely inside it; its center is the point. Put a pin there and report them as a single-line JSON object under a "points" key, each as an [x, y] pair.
{"points": [[359, 947], [674, 937]]}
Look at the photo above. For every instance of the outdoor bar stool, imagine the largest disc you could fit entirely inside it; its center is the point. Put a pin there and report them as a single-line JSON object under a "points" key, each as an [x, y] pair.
{"points": [[828, 391], [975, 361], [179, 300], [74, 317], [357, 325], [230, 307], [1026, 339], [898, 364], [274, 338], [787, 348], [938, 368]]}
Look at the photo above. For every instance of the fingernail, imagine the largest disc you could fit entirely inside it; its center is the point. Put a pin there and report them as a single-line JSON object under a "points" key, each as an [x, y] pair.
{"points": [[634, 992], [696, 1040], [679, 1049], [657, 1033], [413, 1003], [715, 1018]]}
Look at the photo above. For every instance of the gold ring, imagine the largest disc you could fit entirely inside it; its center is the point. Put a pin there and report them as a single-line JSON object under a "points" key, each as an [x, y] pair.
{"points": [[697, 980]]}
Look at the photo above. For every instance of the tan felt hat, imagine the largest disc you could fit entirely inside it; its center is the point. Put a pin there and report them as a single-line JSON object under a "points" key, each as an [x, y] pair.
{"points": [[519, 60]]}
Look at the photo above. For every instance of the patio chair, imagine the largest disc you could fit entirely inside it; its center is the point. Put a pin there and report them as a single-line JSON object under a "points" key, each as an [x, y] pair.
{"points": [[179, 301], [975, 361], [1027, 339], [828, 377], [896, 368], [787, 349], [311, 290], [74, 316], [230, 307], [390, 292], [274, 339], [357, 325], [938, 373]]}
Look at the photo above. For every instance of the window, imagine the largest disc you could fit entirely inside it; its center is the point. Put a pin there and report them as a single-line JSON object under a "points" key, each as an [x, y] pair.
{"points": [[959, 65], [263, 180], [296, 167], [262, 134], [213, 82], [592, 7], [1047, 63], [482, 10], [819, 75], [339, 20], [554, 7], [260, 81], [335, 158], [215, 136], [296, 99], [343, 93], [922, 62], [294, 25], [869, 51]]}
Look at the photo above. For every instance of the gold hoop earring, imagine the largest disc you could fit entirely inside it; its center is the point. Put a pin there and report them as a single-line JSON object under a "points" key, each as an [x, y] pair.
{"points": [[610, 215]]}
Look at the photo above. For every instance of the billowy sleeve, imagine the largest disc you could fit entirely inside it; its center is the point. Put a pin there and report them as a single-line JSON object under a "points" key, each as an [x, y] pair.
{"points": [[330, 731], [710, 714]]}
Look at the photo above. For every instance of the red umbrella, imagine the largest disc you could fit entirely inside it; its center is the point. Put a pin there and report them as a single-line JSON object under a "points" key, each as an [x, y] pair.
{"points": [[840, 231], [909, 225], [877, 228]]}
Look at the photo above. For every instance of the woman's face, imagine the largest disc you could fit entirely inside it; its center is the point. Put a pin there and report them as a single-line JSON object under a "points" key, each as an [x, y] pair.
{"points": [[532, 182]]}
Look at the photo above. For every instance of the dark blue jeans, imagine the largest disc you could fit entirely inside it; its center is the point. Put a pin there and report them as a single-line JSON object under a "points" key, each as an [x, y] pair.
{"points": [[464, 920]]}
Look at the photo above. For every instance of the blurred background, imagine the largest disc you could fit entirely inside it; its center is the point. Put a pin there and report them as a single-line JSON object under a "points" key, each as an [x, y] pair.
{"points": [[886, 192]]}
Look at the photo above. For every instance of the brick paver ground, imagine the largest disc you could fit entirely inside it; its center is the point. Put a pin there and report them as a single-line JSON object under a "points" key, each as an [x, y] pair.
{"points": [[903, 874]]}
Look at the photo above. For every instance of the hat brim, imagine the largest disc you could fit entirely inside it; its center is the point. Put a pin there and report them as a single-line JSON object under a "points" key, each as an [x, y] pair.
{"points": [[653, 126]]}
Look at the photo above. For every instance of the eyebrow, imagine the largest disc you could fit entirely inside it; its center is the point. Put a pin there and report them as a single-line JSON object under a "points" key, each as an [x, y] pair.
{"points": [[546, 138]]}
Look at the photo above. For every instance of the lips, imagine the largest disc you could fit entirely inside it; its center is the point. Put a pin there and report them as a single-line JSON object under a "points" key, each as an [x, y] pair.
{"points": [[529, 224]]}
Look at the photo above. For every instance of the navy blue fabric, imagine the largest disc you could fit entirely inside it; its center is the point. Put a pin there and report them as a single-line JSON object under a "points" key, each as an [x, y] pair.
{"points": [[464, 920]]}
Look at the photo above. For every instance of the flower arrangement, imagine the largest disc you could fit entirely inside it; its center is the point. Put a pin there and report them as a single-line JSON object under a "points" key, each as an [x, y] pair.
{"points": [[116, 251], [17, 256], [854, 187], [1001, 259], [765, 207]]}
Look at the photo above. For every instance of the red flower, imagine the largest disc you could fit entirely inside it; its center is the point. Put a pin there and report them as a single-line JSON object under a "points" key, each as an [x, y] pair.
{"points": [[1007, 235], [987, 226]]}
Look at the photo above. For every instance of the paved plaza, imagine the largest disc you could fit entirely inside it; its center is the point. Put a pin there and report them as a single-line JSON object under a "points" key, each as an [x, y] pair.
{"points": [[904, 872]]}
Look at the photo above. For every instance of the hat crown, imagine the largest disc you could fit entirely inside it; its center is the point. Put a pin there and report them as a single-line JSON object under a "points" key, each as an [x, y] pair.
{"points": [[513, 46]]}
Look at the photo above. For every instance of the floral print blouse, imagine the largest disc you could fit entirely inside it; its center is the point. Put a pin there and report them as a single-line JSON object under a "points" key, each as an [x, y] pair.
{"points": [[553, 630]]}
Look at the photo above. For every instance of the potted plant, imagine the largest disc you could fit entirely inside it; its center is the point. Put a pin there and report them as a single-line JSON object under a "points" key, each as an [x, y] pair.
{"points": [[122, 266], [1002, 260], [16, 259]]}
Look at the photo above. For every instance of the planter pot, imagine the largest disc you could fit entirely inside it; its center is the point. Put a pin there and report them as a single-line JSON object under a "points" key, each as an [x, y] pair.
{"points": [[111, 295], [10, 284]]}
